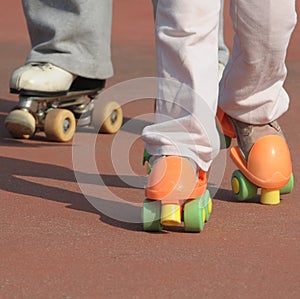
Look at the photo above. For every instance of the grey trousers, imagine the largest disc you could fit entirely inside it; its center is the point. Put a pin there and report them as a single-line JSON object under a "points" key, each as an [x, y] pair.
{"points": [[72, 34], [223, 52]]}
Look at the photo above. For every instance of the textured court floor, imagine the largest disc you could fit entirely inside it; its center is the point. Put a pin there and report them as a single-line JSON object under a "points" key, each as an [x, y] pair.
{"points": [[55, 244]]}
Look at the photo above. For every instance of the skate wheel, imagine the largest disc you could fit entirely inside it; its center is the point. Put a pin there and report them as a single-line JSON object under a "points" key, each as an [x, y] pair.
{"points": [[288, 188], [170, 214], [208, 209], [109, 119], [151, 215], [60, 125], [242, 188], [20, 124], [270, 197], [225, 141], [194, 215]]}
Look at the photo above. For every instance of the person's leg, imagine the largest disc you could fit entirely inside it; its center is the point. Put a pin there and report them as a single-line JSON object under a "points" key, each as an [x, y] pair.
{"points": [[70, 47], [223, 51], [74, 35], [184, 139], [252, 87], [186, 36], [251, 91]]}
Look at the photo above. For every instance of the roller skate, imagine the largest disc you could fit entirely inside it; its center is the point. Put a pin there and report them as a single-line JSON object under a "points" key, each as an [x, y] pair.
{"points": [[175, 193], [55, 101], [262, 158]]}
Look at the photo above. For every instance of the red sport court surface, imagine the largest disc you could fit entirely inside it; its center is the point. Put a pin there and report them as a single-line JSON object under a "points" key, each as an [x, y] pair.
{"points": [[55, 244]]}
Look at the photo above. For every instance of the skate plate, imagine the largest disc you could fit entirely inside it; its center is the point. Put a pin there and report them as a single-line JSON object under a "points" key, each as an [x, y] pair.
{"points": [[58, 116]]}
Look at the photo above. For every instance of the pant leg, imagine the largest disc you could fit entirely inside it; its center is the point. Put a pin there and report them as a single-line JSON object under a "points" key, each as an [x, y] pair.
{"points": [[252, 86], [187, 63], [223, 51], [72, 34]]}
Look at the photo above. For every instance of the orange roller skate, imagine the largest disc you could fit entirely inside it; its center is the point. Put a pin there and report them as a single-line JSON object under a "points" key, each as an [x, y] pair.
{"points": [[175, 192], [265, 164]]}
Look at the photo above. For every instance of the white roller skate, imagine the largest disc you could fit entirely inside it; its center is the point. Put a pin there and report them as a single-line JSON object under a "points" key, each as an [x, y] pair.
{"points": [[54, 101]]}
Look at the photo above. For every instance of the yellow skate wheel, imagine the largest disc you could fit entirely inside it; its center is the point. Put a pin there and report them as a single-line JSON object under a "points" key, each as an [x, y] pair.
{"points": [[208, 209], [109, 119], [20, 124], [170, 214], [210, 206], [60, 125], [151, 215], [270, 197]]}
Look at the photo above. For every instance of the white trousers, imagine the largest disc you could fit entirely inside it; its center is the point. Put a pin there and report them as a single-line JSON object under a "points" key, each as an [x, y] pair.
{"points": [[251, 89]]}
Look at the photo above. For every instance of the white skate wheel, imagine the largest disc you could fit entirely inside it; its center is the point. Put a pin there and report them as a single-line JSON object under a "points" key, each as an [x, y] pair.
{"points": [[20, 124], [109, 119], [60, 125]]}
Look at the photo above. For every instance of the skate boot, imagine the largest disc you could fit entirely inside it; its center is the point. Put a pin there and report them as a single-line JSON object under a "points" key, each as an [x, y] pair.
{"points": [[176, 192], [41, 79], [263, 159], [55, 101]]}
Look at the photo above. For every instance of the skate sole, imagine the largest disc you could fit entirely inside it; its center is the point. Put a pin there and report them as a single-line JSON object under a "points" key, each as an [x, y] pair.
{"points": [[82, 86], [57, 95]]}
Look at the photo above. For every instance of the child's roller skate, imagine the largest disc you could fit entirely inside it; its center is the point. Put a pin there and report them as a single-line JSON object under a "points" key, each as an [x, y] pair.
{"points": [[263, 160], [175, 192], [57, 108]]}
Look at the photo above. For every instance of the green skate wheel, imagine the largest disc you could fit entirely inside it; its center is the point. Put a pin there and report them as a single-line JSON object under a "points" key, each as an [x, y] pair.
{"points": [[195, 214], [146, 161], [242, 188], [146, 157], [288, 188], [227, 141], [151, 215]]}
